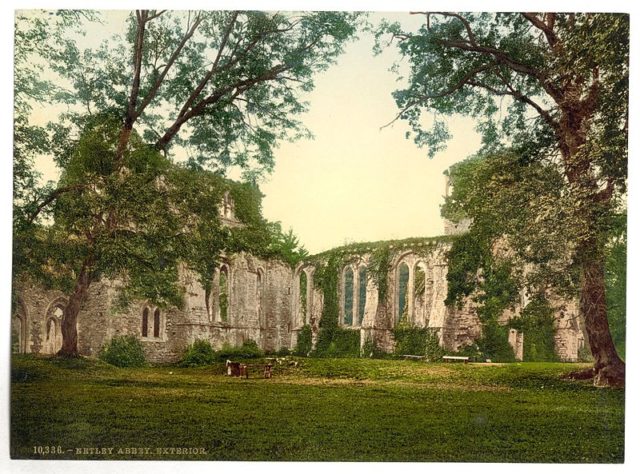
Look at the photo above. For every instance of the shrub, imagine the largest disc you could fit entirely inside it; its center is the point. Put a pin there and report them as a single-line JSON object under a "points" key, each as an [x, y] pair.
{"points": [[123, 351], [283, 352], [304, 344], [472, 351], [371, 350], [248, 350], [198, 353], [433, 350], [338, 342], [410, 340], [536, 322], [494, 343]]}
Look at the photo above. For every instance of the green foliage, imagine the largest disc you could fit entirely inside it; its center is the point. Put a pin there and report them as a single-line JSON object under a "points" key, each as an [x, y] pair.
{"points": [[198, 353], [286, 246], [201, 353], [283, 352], [410, 340], [616, 290], [379, 266], [347, 291], [123, 351], [465, 259], [536, 322], [403, 290], [554, 201], [327, 276], [370, 349], [494, 343], [504, 194], [303, 345], [123, 209], [338, 342], [248, 350], [434, 350]]}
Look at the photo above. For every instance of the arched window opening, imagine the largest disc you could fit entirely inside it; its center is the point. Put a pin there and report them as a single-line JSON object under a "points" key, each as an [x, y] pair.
{"points": [[19, 330], [51, 329], [348, 297], [156, 323], [145, 322], [403, 286], [227, 206], [419, 294], [223, 295], [302, 300], [362, 293], [53, 336]]}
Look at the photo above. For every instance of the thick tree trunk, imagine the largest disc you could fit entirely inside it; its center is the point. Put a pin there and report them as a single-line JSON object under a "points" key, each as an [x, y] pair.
{"points": [[609, 369], [70, 316]]}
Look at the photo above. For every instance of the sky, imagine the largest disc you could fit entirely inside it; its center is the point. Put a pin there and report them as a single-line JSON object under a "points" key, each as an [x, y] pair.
{"points": [[354, 181]]}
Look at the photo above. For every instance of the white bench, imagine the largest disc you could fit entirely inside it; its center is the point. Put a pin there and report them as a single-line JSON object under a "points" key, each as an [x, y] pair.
{"points": [[413, 357], [464, 359]]}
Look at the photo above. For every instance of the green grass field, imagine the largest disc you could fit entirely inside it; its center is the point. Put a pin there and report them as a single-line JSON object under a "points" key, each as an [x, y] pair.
{"points": [[325, 409]]}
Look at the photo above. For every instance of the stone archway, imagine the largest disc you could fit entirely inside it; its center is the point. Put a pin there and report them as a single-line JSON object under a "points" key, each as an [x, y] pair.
{"points": [[52, 328], [19, 329]]}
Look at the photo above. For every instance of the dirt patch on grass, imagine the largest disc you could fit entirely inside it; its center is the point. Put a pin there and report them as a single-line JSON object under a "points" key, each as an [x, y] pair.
{"points": [[435, 385], [489, 364]]}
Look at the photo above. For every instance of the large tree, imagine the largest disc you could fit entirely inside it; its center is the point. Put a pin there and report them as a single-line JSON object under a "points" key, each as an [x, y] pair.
{"points": [[553, 88], [224, 86]]}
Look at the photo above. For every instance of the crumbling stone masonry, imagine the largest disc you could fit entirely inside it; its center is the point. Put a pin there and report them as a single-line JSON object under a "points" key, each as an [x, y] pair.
{"points": [[269, 302]]}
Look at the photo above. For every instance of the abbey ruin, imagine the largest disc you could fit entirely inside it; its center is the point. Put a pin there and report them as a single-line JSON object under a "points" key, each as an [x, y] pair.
{"points": [[269, 302]]}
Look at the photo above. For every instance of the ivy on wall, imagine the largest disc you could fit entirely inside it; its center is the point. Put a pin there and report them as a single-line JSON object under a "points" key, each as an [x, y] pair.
{"points": [[536, 322], [304, 343], [337, 341], [474, 272]]}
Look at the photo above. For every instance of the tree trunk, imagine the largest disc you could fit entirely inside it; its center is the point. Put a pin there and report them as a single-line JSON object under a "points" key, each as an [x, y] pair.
{"points": [[609, 369], [70, 315]]}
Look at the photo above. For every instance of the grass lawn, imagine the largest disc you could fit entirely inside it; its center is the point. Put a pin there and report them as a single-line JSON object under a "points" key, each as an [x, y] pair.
{"points": [[322, 410]]}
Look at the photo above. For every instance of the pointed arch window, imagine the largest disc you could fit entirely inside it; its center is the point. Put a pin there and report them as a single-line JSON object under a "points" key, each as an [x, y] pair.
{"points": [[145, 322], [348, 297], [156, 323], [362, 293], [223, 294], [403, 296], [53, 335]]}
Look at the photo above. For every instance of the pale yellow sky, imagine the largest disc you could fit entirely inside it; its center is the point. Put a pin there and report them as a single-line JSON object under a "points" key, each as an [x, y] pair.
{"points": [[354, 181]]}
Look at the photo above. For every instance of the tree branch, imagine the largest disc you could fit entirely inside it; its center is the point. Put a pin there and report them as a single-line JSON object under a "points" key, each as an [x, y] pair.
{"points": [[156, 86], [196, 92], [545, 114], [465, 22], [214, 97], [141, 16], [52, 197], [501, 56], [547, 29]]}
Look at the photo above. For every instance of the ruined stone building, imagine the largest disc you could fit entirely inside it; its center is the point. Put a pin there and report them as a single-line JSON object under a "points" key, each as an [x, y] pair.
{"points": [[269, 302]]}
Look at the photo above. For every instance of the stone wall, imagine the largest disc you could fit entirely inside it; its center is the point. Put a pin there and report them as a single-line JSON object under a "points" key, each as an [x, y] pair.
{"points": [[259, 309], [269, 302]]}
